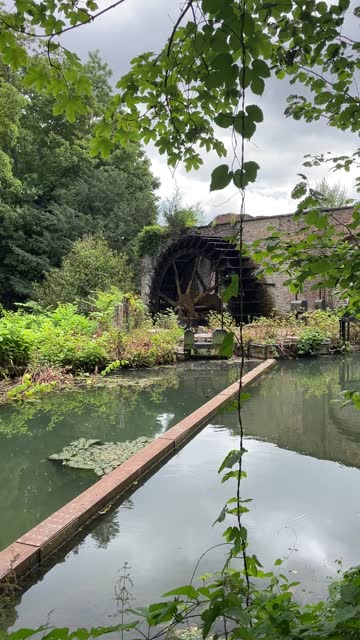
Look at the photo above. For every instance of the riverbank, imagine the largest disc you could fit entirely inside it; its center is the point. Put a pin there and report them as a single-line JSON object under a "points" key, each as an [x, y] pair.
{"points": [[44, 350]]}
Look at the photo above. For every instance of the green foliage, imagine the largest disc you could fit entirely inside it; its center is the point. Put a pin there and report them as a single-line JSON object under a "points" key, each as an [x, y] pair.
{"points": [[68, 340], [27, 389], [332, 195], [279, 329], [52, 190], [167, 320], [150, 348], [215, 321], [90, 266], [151, 239], [114, 366], [62, 337], [310, 342], [16, 340], [179, 216], [227, 346]]}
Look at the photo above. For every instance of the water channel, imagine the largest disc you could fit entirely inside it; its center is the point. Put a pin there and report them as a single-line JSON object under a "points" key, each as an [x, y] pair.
{"points": [[303, 467], [140, 403]]}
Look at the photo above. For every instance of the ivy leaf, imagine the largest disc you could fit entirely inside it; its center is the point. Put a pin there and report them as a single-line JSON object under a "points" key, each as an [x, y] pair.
{"points": [[220, 177]]}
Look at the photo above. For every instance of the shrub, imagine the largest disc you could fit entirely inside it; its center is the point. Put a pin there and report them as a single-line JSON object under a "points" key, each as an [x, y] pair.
{"points": [[16, 339], [151, 239], [104, 304], [310, 342], [143, 348], [89, 267], [166, 320]]}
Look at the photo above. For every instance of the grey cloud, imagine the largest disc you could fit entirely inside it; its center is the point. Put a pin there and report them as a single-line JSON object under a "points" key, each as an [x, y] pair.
{"points": [[279, 144]]}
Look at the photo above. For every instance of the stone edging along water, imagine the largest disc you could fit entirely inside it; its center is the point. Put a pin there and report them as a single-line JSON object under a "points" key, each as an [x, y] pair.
{"points": [[36, 545]]}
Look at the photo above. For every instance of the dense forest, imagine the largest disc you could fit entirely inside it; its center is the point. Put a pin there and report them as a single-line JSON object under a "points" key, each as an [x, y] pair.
{"points": [[54, 191]]}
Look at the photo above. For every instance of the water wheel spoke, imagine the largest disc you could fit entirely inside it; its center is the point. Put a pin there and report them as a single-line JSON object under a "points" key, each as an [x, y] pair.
{"points": [[205, 293], [194, 271], [200, 279], [167, 299], [178, 288]]}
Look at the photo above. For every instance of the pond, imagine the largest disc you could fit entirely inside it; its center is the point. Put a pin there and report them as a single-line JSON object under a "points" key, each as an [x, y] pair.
{"points": [[303, 466], [142, 403]]}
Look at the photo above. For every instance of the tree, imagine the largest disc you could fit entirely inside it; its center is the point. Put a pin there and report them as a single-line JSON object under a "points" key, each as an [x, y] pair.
{"points": [[52, 190], [179, 216], [90, 266], [333, 196]]}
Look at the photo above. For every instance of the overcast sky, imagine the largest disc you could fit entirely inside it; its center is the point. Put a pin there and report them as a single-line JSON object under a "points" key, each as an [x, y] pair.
{"points": [[278, 145]]}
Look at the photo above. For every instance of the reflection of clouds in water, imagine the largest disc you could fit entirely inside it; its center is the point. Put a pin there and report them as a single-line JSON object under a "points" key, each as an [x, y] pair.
{"points": [[292, 515], [314, 550], [164, 419]]}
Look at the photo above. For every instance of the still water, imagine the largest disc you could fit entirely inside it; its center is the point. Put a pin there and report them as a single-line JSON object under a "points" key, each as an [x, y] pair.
{"points": [[303, 466], [145, 404]]}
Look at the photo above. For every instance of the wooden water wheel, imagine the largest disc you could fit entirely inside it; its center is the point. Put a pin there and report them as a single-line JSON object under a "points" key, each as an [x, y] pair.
{"points": [[191, 274]]}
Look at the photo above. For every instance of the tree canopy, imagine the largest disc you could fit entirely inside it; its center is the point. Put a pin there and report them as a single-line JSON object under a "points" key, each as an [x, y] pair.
{"points": [[53, 190]]}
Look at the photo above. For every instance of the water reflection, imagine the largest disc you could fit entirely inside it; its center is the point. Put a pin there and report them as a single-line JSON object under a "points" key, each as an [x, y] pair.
{"points": [[294, 445], [298, 408], [31, 487]]}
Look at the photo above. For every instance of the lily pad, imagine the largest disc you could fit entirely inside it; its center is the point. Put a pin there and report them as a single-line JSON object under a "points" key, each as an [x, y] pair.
{"points": [[97, 456]]}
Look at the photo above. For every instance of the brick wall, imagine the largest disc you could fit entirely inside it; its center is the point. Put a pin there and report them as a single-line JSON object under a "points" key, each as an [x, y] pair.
{"points": [[278, 296], [258, 228]]}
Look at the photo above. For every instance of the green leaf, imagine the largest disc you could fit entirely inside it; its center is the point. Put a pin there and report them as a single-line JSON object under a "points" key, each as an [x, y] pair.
{"points": [[244, 125], [227, 346], [317, 219], [257, 86], [224, 120], [233, 457], [261, 69], [299, 191], [255, 113], [222, 61], [186, 590], [220, 177], [222, 515], [251, 168], [212, 6], [232, 290], [15, 56]]}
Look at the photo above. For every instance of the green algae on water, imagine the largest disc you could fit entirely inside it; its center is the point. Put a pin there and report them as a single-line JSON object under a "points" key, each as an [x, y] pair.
{"points": [[97, 456]]}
